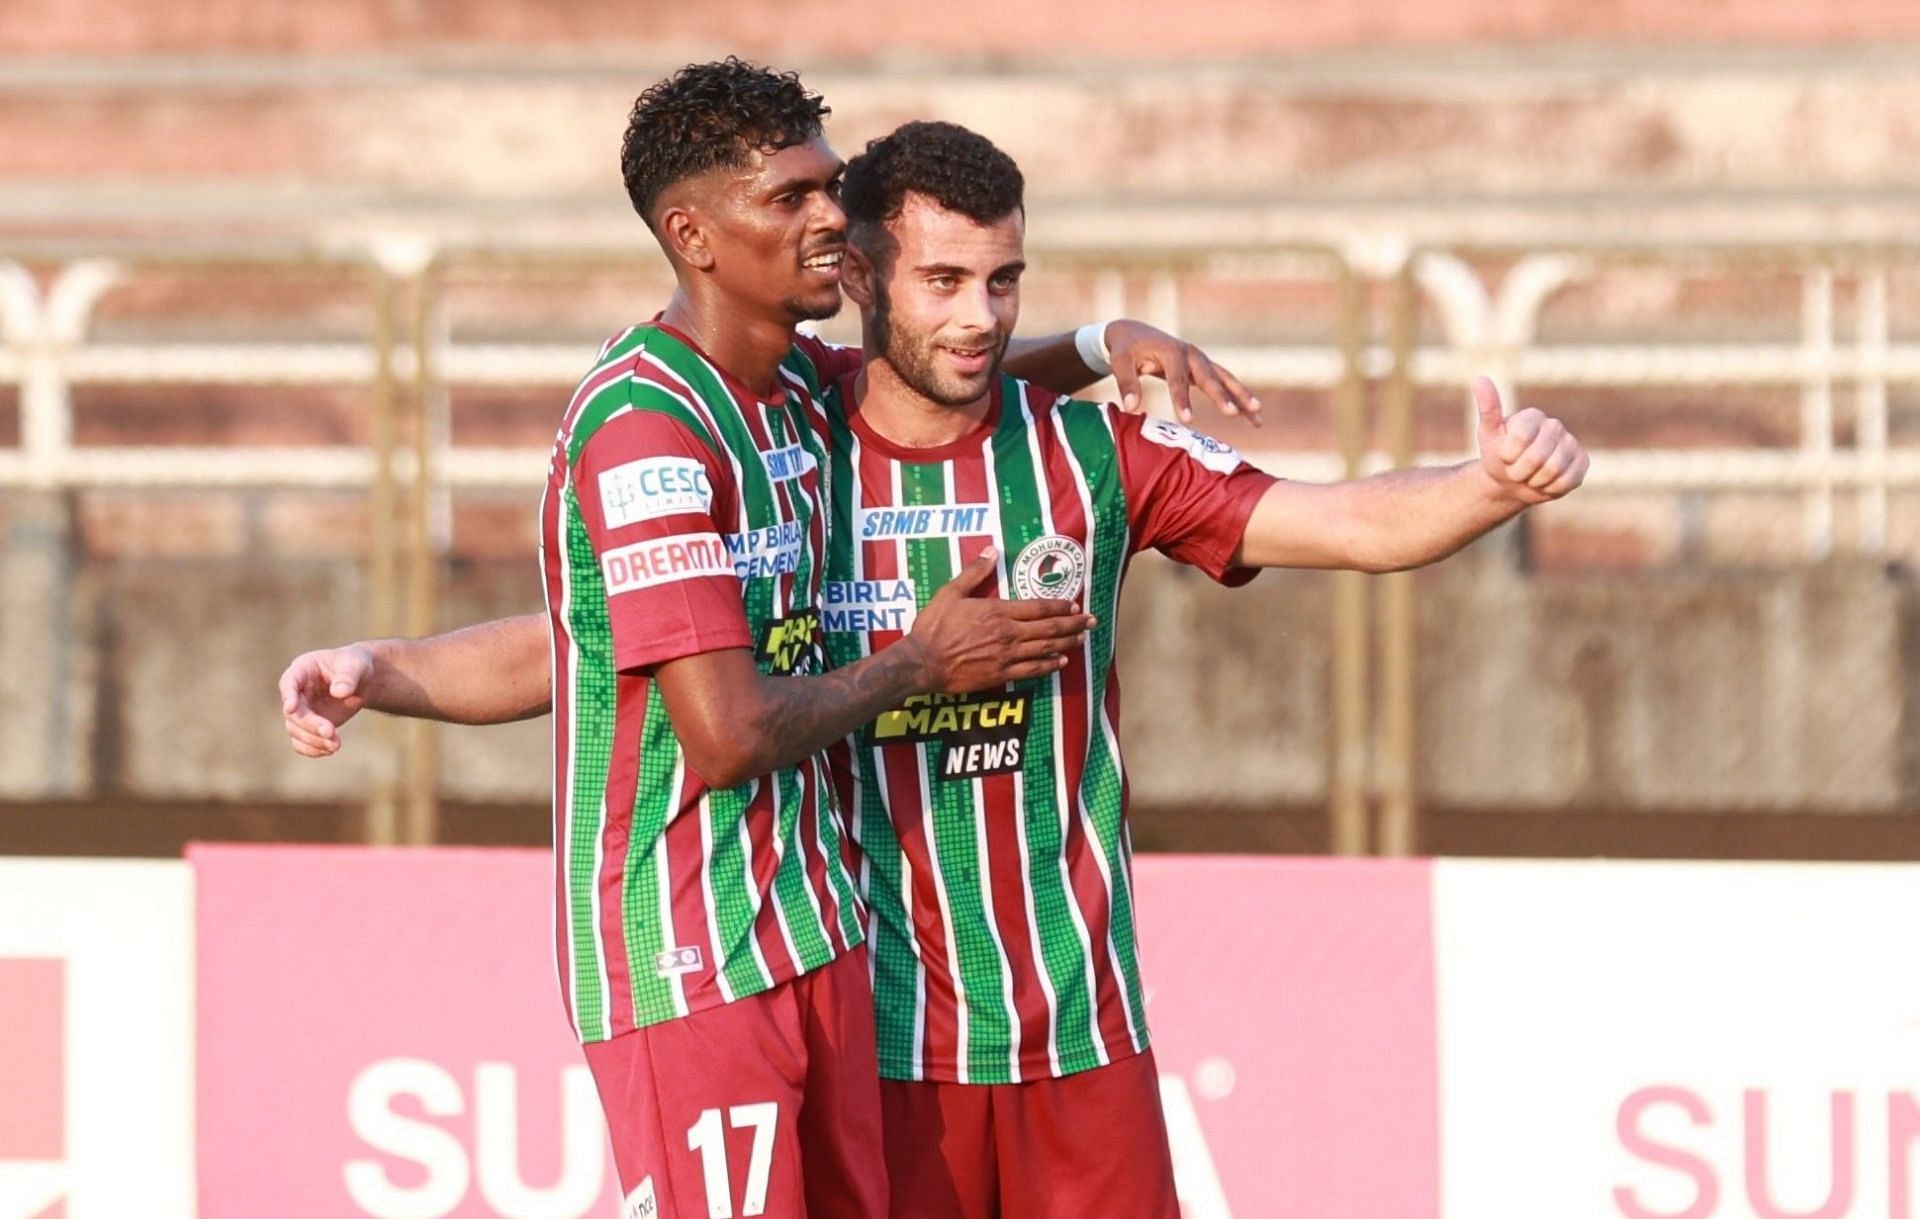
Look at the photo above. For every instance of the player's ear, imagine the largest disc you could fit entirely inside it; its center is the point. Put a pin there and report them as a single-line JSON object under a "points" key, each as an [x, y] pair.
{"points": [[857, 277], [685, 237]]}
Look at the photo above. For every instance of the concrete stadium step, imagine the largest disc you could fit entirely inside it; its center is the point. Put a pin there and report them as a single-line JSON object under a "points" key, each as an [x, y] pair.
{"points": [[860, 28], [1427, 128]]}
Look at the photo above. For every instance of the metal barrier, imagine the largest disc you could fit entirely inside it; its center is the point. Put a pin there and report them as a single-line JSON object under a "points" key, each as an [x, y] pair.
{"points": [[1373, 355]]}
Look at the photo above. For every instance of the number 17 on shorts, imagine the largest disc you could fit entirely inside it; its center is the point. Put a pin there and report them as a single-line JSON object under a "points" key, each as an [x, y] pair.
{"points": [[689, 1139], [706, 1111], [708, 1137]]}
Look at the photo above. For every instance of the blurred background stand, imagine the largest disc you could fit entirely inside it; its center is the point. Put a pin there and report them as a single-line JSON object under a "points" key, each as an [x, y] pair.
{"points": [[291, 302]]}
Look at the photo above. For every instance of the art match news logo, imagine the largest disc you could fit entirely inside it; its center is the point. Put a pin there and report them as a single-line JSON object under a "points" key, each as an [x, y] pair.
{"points": [[976, 734], [34, 1178]]}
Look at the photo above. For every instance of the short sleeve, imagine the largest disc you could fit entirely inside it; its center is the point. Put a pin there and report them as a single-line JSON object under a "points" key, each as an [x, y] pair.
{"points": [[1189, 496], [830, 360], [653, 497]]}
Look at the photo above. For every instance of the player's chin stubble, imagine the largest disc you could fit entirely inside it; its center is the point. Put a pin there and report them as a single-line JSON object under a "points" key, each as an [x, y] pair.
{"points": [[915, 360]]}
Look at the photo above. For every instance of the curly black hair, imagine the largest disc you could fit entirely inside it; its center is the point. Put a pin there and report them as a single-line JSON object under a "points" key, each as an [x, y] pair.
{"points": [[960, 170], [708, 116]]}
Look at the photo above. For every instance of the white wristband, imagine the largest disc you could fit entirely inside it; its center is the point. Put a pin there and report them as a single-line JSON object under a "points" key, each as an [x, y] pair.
{"points": [[1091, 342]]}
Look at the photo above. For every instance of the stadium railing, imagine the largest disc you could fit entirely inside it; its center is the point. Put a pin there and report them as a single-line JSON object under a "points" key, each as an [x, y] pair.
{"points": [[1382, 294]]}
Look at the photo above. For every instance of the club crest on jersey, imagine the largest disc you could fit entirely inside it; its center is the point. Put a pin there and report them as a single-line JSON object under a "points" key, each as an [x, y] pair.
{"points": [[1050, 566], [786, 644]]}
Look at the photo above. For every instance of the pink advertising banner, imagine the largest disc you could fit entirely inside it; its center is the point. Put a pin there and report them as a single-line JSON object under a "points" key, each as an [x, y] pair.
{"points": [[380, 1035], [1291, 1003]]}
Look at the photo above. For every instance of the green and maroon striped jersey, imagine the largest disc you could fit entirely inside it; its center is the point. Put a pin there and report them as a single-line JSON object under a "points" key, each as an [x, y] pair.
{"points": [[683, 514], [989, 830]]}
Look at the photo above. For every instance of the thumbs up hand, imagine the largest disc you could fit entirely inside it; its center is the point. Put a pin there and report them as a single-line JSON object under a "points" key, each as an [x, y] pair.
{"points": [[1530, 456]]}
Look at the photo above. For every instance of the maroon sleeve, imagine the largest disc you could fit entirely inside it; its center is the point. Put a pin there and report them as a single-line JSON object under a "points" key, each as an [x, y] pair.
{"points": [[652, 495], [1188, 495], [830, 360]]}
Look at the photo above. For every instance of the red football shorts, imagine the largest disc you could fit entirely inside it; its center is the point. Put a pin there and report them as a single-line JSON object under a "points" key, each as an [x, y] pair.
{"points": [[1088, 1146], [766, 1106]]}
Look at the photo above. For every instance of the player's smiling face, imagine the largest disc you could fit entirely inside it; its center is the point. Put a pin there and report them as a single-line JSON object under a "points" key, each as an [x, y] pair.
{"points": [[779, 235], [949, 300]]}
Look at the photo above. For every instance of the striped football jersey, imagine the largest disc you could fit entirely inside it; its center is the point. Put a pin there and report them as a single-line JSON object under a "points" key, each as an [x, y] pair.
{"points": [[989, 832], [683, 514]]}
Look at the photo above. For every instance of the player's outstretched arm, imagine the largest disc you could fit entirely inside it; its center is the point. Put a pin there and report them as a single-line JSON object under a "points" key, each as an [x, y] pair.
{"points": [[1409, 518], [736, 724], [1137, 350], [491, 673]]}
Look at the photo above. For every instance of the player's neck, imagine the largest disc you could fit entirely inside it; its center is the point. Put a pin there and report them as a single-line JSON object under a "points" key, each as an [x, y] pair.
{"points": [[908, 418], [748, 349]]}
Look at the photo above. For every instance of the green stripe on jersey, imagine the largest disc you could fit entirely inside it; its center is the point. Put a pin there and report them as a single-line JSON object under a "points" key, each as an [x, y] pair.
{"points": [[897, 973], [590, 719], [958, 844], [1090, 440], [1025, 514], [645, 906]]}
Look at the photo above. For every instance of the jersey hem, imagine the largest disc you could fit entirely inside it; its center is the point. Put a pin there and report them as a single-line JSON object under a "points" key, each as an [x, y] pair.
{"points": [[1031, 1070], [781, 978]]}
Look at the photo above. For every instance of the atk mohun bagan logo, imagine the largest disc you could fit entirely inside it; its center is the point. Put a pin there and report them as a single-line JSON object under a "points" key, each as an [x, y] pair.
{"points": [[1050, 566]]}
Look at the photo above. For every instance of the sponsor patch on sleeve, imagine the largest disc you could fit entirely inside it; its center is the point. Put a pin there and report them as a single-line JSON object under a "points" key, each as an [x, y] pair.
{"points": [[664, 561], [653, 487], [1215, 455]]}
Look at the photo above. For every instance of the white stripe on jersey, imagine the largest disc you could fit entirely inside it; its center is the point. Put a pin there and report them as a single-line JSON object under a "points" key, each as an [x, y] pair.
{"points": [[1041, 969], [1096, 710], [978, 786], [670, 935], [706, 887], [1057, 750]]}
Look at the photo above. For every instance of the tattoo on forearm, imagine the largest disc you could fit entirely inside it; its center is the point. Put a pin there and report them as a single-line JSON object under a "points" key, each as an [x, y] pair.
{"points": [[800, 717]]}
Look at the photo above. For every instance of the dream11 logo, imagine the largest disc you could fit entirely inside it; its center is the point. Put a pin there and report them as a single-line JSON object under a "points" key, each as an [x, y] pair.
{"points": [[34, 1178]]}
